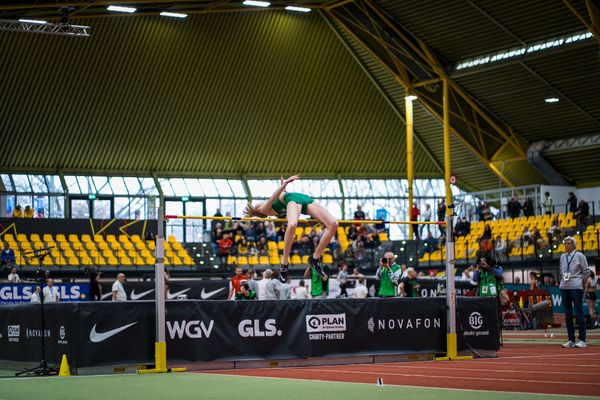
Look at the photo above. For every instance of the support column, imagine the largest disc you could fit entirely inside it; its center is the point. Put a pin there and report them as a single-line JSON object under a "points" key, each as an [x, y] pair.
{"points": [[408, 100]]}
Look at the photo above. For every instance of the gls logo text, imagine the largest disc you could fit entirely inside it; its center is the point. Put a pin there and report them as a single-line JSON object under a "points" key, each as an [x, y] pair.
{"points": [[192, 329], [252, 328]]}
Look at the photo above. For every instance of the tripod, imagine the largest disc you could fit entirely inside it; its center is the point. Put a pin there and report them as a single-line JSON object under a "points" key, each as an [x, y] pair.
{"points": [[42, 368]]}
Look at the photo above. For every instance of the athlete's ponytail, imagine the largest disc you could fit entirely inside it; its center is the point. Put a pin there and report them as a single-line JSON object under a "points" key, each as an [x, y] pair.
{"points": [[252, 211]]}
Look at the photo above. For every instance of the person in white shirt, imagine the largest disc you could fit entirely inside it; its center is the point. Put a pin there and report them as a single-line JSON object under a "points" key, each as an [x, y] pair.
{"points": [[360, 291], [118, 292], [13, 277], [262, 284], [50, 293], [36, 296], [301, 292], [426, 215]]}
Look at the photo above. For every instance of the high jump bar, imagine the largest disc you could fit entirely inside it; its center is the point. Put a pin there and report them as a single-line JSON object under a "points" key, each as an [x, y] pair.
{"points": [[341, 221]]}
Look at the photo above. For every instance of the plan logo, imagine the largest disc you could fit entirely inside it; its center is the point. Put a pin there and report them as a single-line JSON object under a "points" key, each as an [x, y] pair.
{"points": [[326, 323], [62, 335], [14, 333]]}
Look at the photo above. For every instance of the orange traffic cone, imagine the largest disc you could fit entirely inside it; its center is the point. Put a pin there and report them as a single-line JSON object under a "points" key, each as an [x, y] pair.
{"points": [[64, 367]]}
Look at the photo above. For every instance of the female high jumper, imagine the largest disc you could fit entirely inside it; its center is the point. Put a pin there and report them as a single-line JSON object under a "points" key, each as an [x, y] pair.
{"points": [[291, 205]]}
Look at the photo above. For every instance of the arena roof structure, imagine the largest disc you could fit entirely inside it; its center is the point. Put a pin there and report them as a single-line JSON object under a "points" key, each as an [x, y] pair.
{"points": [[234, 90]]}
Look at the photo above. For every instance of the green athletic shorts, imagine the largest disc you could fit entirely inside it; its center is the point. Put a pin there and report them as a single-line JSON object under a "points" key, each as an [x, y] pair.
{"points": [[299, 198]]}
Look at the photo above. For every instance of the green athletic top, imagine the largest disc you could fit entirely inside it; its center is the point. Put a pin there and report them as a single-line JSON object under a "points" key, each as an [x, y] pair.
{"points": [[251, 296], [487, 284], [318, 286], [298, 198], [386, 286]]}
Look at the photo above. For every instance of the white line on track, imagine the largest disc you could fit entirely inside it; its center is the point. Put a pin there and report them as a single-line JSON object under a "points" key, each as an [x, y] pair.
{"points": [[496, 370]]}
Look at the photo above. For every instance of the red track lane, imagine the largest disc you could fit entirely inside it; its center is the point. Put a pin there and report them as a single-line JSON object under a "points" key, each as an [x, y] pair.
{"points": [[545, 369]]}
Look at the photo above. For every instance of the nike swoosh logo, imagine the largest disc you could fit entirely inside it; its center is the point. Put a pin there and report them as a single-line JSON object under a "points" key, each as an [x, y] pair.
{"points": [[174, 295], [207, 295], [98, 337], [136, 296], [106, 295]]}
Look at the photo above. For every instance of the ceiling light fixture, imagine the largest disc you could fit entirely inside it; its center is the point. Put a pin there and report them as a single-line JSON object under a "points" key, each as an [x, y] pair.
{"points": [[121, 9], [299, 9], [410, 97], [172, 14], [552, 100], [255, 3], [33, 21]]}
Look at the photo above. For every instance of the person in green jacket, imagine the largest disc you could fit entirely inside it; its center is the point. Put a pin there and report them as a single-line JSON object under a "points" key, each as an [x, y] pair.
{"points": [[319, 285], [387, 267], [291, 205]]}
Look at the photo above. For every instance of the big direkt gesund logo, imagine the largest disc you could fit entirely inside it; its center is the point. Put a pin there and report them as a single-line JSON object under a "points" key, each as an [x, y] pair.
{"points": [[476, 323], [326, 326]]}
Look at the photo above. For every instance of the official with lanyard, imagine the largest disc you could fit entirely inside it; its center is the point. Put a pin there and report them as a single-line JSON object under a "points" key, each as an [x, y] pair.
{"points": [[574, 273]]}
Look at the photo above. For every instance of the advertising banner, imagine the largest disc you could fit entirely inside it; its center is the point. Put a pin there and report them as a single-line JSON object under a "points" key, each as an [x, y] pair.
{"points": [[96, 333], [21, 293]]}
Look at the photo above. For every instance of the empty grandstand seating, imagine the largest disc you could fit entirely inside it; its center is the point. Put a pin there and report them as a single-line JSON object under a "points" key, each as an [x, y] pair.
{"points": [[85, 250]]}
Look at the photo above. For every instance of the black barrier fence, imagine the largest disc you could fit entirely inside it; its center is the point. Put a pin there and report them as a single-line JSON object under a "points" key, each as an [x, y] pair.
{"points": [[94, 333]]}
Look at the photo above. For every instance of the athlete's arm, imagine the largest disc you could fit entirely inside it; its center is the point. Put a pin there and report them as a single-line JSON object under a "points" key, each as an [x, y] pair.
{"points": [[307, 272], [267, 205]]}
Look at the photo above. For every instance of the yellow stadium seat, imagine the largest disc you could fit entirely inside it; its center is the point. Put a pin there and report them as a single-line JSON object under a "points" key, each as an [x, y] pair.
{"points": [[47, 237], [264, 260], [242, 260], [34, 237], [140, 245], [8, 237], [150, 261], [188, 260], [272, 245], [231, 260], [177, 261], [124, 260], [274, 260], [47, 261], [171, 239], [299, 232], [115, 245], [111, 238], [182, 253], [86, 238], [73, 238], [150, 244], [177, 246], [73, 261], [99, 239], [65, 246], [124, 239], [103, 245], [383, 236], [327, 259], [296, 259], [90, 245], [107, 253], [145, 253], [132, 254], [86, 261], [21, 237], [60, 238], [253, 260], [128, 246], [112, 261], [136, 238], [304, 259], [280, 245]]}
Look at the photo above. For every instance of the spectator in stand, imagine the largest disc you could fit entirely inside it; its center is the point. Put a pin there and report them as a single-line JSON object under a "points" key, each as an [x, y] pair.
{"points": [[36, 296], [547, 203], [538, 241], [408, 285], [319, 288], [13, 277], [260, 230], [215, 235], [225, 245], [352, 233], [533, 280], [356, 274], [262, 247], [28, 213], [360, 291], [306, 247], [459, 227], [441, 215], [517, 280], [7, 258], [426, 216], [281, 232], [250, 231], [513, 208], [234, 286], [572, 203], [387, 267], [485, 241], [118, 291], [500, 246], [95, 287], [479, 211], [17, 212], [301, 292], [238, 232], [582, 214], [414, 216], [271, 234], [528, 209], [245, 292], [487, 212], [343, 279], [50, 293], [555, 233], [526, 237], [273, 286], [574, 271], [430, 244], [46, 275], [285, 290], [359, 213]]}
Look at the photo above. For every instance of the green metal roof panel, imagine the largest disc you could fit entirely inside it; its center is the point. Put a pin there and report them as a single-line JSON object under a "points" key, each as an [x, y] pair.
{"points": [[240, 93]]}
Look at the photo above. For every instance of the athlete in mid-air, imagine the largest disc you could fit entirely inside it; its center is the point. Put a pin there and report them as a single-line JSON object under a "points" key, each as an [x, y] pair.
{"points": [[292, 205]]}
